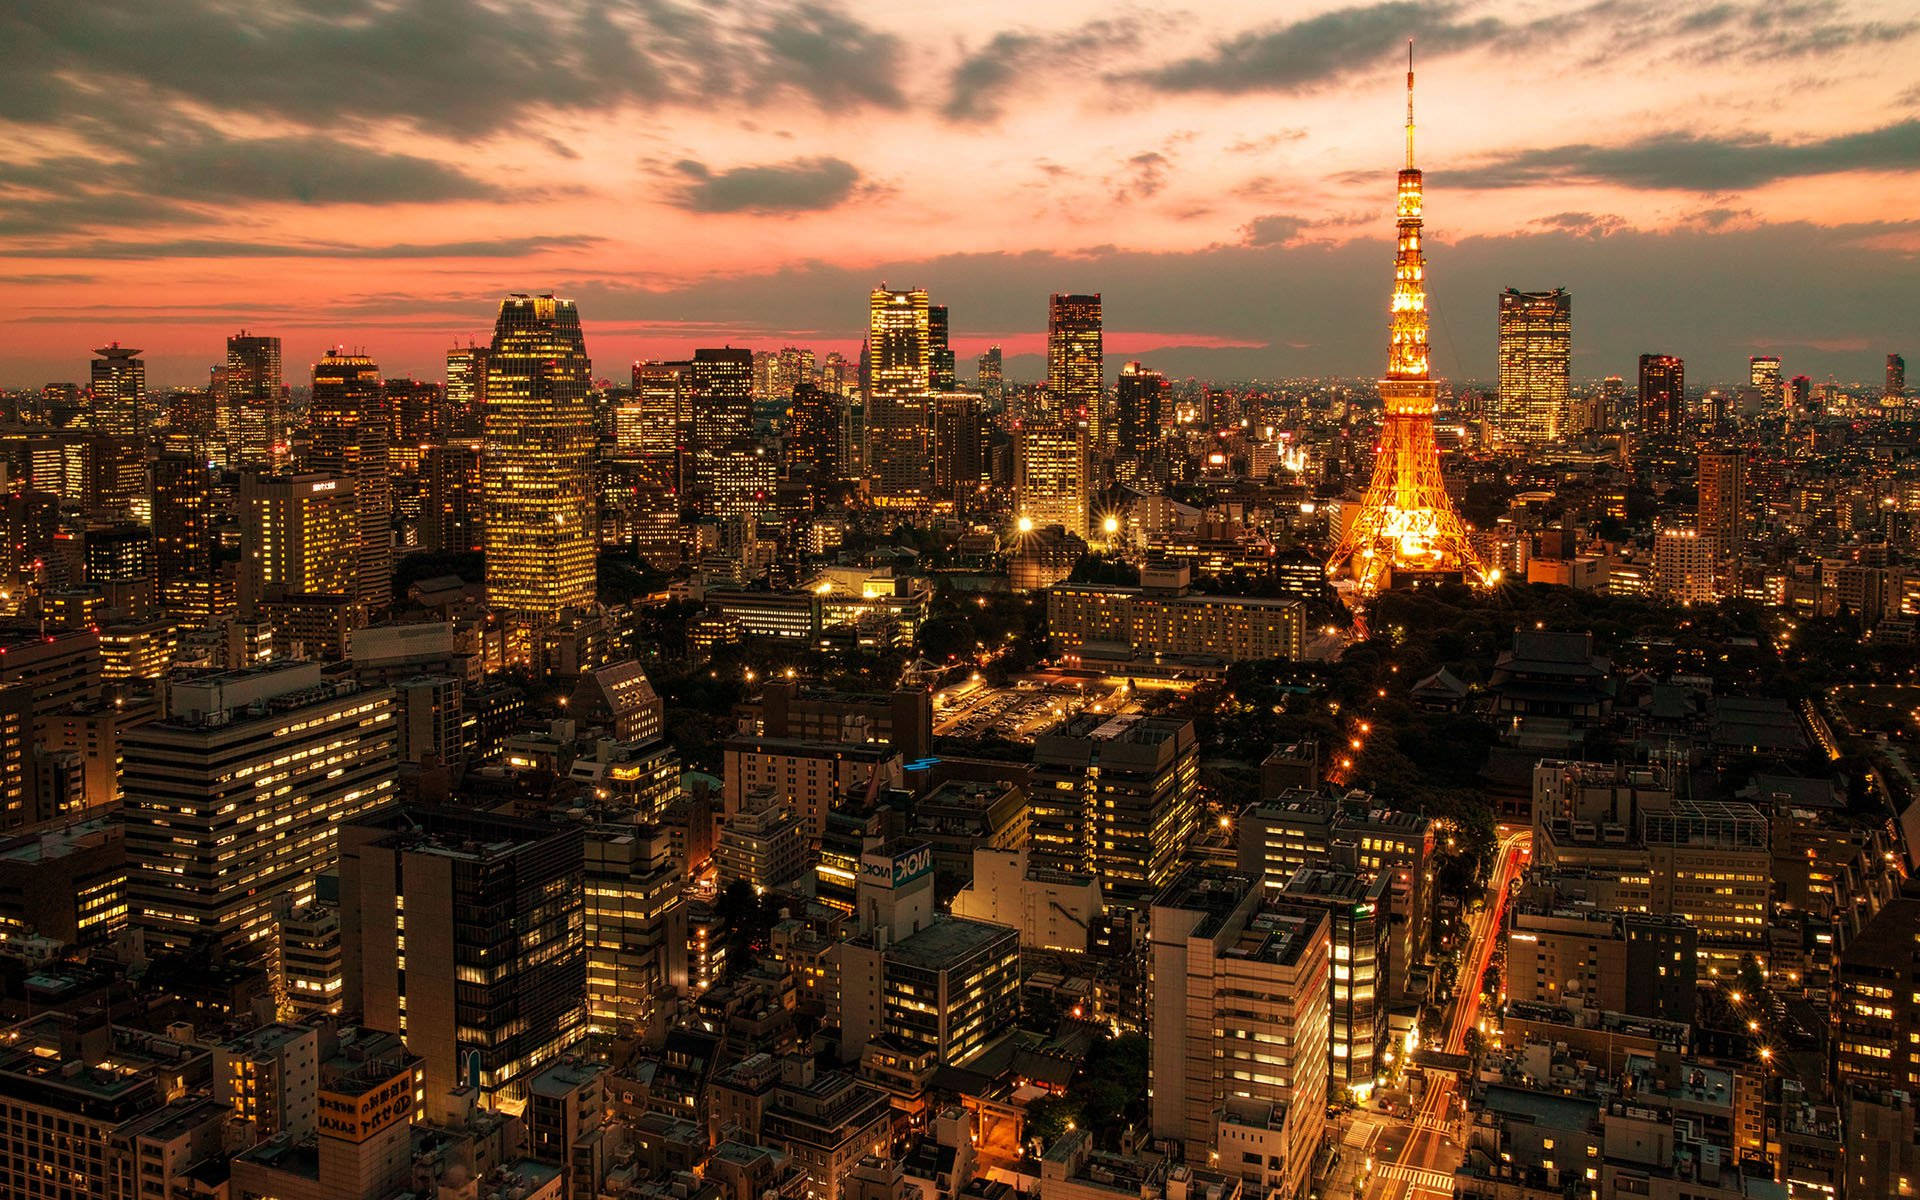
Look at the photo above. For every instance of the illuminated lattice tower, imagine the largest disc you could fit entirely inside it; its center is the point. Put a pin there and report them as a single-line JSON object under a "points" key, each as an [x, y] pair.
{"points": [[1406, 530]]}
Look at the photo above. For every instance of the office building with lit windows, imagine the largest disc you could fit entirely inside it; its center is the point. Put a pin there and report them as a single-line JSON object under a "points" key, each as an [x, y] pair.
{"points": [[1076, 360], [1356, 905], [117, 391], [464, 931], [254, 404], [536, 483], [719, 386], [1239, 1012], [1536, 360], [1663, 395], [349, 427], [1115, 797], [899, 408], [1142, 408], [297, 537], [663, 400], [940, 364], [1051, 476], [233, 800], [466, 388], [1164, 618]]}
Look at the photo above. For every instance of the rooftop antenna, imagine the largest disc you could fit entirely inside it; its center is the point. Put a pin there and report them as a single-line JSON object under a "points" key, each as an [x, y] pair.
{"points": [[1409, 104]]}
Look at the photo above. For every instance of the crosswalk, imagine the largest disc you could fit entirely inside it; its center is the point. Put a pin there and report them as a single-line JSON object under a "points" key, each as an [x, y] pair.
{"points": [[1420, 1177]]}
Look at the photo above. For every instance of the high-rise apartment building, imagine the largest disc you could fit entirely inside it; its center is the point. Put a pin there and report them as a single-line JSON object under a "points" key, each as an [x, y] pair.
{"points": [[1663, 395], [297, 537], [118, 391], [182, 512], [232, 801], [940, 363], [812, 441], [1722, 514], [720, 385], [1143, 408], [350, 427], [1683, 565], [465, 932], [991, 370], [959, 447], [1536, 361], [1896, 377], [899, 434], [1076, 361], [1052, 476], [255, 403], [1114, 797], [536, 471], [1613, 402], [1239, 1012]]}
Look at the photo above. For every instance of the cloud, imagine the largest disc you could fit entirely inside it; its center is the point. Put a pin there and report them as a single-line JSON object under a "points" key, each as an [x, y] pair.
{"points": [[1274, 229], [1322, 49], [464, 69], [192, 248], [978, 88], [183, 173], [1142, 177], [1591, 224], [1310, 53], [1694, 162], [802, 185]]}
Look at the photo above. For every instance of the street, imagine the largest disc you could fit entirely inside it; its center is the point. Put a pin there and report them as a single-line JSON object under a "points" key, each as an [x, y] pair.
{"points": [[1413, 1159]]}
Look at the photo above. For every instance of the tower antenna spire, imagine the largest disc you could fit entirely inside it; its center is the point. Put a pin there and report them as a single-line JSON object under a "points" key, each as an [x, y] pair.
{"points": [[1409, 103]]}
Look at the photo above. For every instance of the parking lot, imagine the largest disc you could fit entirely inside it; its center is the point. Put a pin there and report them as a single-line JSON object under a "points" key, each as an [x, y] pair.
{"points": [[1021, 711]]}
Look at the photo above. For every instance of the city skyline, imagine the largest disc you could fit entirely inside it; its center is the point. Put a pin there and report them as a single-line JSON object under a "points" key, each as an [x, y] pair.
{"points": [[1216, 180]]}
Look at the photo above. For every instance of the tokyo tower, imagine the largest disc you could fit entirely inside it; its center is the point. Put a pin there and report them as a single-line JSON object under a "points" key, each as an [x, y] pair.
{"points": [[1406, 532]]}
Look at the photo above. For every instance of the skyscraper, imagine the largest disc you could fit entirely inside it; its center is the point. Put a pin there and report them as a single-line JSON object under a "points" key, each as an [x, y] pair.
{"points": [[118, 390], [898, 407], [812, 442], [1663, 394], [464, 932], [298, 537], [663, 393], [990, 367], [467, 388], [1536, 357], [1075, 359], [233, 800], [959, 433], [536, 472], [1142, 404], [1763, 372], [1896, 377], [255, 402], [350, 428], [1050, 476], [721, 386], [182, 512], [1722, 514], [940, 364]]}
